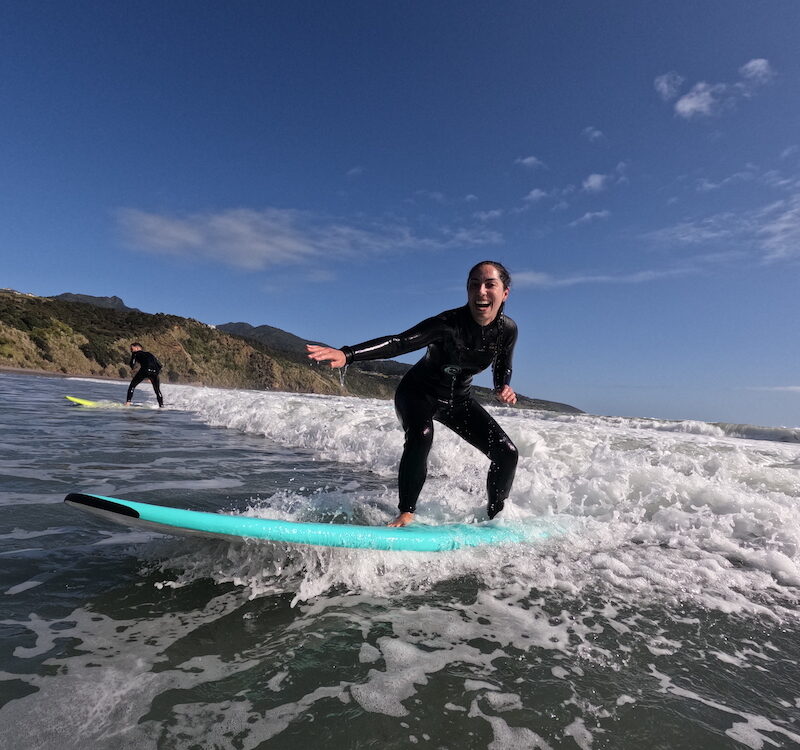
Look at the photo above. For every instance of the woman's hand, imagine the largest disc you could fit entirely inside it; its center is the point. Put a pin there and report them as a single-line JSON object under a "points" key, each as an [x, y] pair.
{"points": [[326, 354], [506, 395]]}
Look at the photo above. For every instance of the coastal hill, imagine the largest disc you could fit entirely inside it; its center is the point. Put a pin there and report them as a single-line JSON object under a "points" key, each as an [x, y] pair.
{"points": [[89, 336], [115, 303]]}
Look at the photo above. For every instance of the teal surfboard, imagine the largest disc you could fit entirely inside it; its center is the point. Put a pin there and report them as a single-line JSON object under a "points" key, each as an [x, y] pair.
{"points": [[413, 538]]}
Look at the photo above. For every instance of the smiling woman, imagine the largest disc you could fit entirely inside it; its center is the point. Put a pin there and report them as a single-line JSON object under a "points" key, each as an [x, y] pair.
{"points": [[460, 343]]}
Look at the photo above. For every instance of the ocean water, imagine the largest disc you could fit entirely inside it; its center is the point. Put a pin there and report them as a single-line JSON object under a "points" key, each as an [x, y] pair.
{"points": [[662, 614]]}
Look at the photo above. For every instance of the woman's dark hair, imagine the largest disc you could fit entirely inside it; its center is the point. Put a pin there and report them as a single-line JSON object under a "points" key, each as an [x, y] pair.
{"points": [[136, 343], [502, 272]]}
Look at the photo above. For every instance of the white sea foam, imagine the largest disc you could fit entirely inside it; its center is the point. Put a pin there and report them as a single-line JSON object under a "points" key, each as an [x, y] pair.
{"points": [[687, 510], [669, 589]]}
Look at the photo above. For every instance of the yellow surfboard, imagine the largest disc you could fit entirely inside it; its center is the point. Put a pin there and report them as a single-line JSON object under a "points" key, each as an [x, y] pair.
{"points": [[103, 404], [81, 401]]}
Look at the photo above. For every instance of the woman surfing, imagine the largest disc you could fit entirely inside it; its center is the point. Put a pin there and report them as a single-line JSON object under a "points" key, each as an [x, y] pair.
{"points": [[460, 343]]}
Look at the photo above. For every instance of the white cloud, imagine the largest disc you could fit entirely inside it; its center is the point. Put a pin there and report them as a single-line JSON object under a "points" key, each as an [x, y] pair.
{"points": [[751, 172], [707, 99], [703, 100], [789, 151], [758, 71], [254, 240], [495, 213], [774, 178], [590, 216], [698, 232], [535, 195], [783, 388], [772, 231], [594, 183], [531, 162], [705, 185], [546, 280], [433, 195], [668, 85], [458, 238], [592, 133], [355, 172], [779, 229], [470, 198]]}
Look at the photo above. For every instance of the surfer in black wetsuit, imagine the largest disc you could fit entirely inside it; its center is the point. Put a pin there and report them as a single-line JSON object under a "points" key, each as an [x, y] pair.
{"points": [[461, 343], [149, 367]]}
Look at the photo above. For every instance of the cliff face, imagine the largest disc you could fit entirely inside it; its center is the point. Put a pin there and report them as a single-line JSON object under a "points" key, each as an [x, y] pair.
{"points": [[57, 335]]}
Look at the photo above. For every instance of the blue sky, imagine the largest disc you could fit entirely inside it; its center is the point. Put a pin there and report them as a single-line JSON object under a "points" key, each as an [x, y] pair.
{"points": [[334, 169]]}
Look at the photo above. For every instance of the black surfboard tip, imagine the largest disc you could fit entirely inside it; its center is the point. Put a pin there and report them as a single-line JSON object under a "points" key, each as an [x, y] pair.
{"points": [[100, 503]]}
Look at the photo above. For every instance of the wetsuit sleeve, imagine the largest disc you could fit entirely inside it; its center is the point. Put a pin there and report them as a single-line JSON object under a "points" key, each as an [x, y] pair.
{"points": [[133, 359], [420, 335], [501, 370]]}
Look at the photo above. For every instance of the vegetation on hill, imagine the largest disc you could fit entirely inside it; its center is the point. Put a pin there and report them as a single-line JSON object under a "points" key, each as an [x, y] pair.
{"points": [[115, 303], [58, 335]]}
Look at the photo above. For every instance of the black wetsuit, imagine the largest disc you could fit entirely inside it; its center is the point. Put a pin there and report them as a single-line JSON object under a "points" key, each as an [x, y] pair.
{"points": [[438, 387], [149, 367]]}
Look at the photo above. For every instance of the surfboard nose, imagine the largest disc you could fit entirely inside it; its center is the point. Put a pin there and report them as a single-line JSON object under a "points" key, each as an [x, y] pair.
{"points": [[99, 503]]}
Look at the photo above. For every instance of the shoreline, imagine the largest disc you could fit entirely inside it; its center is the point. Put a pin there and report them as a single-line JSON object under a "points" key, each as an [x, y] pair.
{"points": [[49, 373]]}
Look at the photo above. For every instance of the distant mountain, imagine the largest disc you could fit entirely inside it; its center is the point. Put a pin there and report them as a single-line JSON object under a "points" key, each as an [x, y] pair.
{"points": [[283, 341], [112, 303], [275, 338], [75, 335], [295, 347]]}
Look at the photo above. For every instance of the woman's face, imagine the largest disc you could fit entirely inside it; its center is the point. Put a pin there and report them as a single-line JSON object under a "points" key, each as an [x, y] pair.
{"points": [[485, 294]]}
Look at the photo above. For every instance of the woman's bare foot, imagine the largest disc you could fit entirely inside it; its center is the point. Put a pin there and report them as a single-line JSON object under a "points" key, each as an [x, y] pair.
{"points": [[402, 520]]}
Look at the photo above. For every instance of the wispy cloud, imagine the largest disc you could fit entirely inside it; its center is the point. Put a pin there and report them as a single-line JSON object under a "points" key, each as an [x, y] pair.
{"points": [[492, 215], [706, 99], [432, 195], [778, 229], [751, 172], [757, 71], [592, 134], [780, 388], [703, 100], [355, 172], [535, 195], [721, 226], [772, 231], [775, 179], [790, 151], [668, 85], [254, 240], [532, 162], [546, 280], [589, 217], [705, 185], [595, 183]]}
